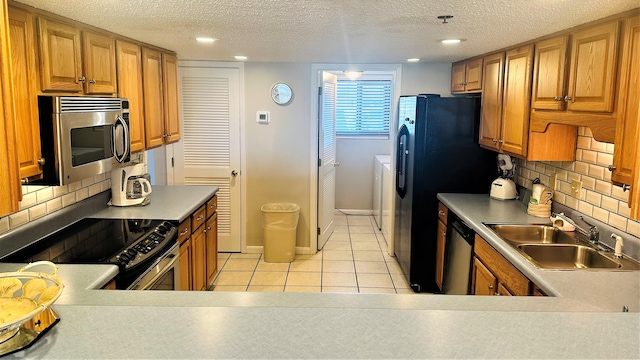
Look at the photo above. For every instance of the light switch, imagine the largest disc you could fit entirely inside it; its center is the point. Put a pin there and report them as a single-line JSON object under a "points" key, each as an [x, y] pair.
{"points": [[576, 188], [262, 117]]}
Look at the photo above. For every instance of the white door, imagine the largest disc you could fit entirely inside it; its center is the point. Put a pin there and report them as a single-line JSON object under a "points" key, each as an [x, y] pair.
{"points": [[209, 150], [327, 156]]}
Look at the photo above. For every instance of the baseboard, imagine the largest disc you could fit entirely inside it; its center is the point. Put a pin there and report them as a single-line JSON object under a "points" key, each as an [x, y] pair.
{"points": [[353, 212]]}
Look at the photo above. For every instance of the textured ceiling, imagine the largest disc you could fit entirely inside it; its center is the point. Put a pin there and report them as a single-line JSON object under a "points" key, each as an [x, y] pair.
{"points": [[333, 31]]}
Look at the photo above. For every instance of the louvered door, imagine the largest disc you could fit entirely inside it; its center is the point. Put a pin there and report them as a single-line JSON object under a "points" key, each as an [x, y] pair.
{"points": [[327, 158], [209, 153]]}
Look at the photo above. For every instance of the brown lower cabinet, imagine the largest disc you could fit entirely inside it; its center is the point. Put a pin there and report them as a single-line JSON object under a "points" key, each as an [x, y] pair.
{"points": [[495, 275], [198, 239]]}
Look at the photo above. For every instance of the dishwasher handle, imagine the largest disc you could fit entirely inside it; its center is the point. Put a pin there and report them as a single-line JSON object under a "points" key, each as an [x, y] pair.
{"points": [[463, 229]]}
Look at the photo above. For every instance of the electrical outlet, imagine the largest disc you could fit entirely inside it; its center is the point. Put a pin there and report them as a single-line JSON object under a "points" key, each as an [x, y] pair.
{"points": [[552, 181], [576, 188]]}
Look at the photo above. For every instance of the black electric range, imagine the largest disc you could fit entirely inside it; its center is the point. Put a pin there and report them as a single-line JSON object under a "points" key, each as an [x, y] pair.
{"points": [[132, 244]]}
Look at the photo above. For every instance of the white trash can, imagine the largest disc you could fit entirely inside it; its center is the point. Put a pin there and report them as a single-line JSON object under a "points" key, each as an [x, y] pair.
{"points": [[279, 224]]}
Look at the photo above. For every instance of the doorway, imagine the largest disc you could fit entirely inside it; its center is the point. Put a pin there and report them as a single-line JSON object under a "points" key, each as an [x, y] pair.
{"points": [[351, 188]]}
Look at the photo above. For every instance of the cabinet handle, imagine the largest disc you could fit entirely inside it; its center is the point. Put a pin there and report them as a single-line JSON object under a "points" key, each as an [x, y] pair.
{"points": [[500, 141], [444, 234], [184, 232], [164, 136], [208, 227], [41, 161], [557, 98], [490, 287], [82, 79], [440, 212], [611, 167], [92, 81], [567, 98], [494, 140], [200, 218], [626, 187]]}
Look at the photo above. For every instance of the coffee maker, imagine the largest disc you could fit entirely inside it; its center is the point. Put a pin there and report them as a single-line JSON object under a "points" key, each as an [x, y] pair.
{"points": [[130, 186]]}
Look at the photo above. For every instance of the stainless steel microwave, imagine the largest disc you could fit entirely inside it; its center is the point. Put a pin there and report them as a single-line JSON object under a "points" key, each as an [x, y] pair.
{"points": [[82, 137]]}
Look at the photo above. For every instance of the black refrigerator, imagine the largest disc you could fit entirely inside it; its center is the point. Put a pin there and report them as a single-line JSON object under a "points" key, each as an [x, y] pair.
{"points": [[437, 152]]}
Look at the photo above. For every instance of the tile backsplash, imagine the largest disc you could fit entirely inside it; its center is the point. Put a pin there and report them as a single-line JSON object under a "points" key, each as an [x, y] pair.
{"points": [[598, 198], [38, 201]]}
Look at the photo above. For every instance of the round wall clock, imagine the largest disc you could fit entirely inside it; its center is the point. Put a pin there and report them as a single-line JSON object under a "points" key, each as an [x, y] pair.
{"points": [[281, 93]]}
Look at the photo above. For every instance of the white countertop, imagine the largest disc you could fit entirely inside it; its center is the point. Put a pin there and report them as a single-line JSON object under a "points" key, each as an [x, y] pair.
{"points": [[164, 324], [167, 203]]}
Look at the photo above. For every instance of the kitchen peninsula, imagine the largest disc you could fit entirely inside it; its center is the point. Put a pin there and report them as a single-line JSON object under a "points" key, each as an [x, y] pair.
{"points": [[581, 320]]}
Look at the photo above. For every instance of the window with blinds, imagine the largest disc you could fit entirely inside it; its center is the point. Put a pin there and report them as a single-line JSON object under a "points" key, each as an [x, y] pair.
{"points": [[363, 108]]}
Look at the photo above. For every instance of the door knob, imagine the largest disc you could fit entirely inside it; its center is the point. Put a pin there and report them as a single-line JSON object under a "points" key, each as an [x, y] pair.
{"points": [[336, 164], [234, 173]]}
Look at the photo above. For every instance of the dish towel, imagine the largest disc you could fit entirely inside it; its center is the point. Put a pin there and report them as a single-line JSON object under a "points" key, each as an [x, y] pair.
{"points": [[540, 201]]}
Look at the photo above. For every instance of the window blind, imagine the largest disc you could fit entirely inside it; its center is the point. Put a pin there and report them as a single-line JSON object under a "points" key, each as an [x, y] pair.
{"points": [[363, 107]]}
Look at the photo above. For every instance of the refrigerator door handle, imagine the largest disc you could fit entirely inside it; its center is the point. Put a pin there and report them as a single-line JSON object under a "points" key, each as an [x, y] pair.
{"points": [[401, 161]]}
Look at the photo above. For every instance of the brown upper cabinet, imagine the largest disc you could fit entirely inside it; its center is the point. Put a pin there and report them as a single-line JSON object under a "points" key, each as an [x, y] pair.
{"points": [[25, 86], [75, 61], [587, 83], [625, 164], [129, 69], [10, 190], [162, 125], [466, 76], [504, 115], [171, 101]]}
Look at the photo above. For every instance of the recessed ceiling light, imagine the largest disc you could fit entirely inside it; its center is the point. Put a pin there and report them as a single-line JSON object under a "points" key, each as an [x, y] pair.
{"points": [[240, 57], [206, 40], [413, 60], [450, 41]]}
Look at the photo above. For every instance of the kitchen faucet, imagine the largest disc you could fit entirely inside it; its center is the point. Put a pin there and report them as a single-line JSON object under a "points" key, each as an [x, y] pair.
{"points": [[592, 233]]}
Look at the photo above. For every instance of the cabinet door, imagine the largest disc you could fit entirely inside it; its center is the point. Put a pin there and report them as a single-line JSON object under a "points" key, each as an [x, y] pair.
{"points": [[516, 100], [60, 61], [153, 112], [457, 78], [491, 109], [549, 74], [9, 178], [198, 262], [441, 242], [171, 100], [485, 282], [25, 86], [473, 75], [212, 248], [593, 68], [99, 63], [129, 70], [184, 257], [503, 291], [628, 124]]}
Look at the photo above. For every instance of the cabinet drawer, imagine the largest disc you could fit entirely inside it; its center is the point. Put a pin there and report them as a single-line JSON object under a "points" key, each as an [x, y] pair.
{"points": [[198, 218], [507, 274], [212, 206], [184, 231], [443, 211]]}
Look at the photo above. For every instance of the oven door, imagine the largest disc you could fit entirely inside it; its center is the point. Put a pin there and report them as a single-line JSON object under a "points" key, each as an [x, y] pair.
{"points": [[164, 274]]}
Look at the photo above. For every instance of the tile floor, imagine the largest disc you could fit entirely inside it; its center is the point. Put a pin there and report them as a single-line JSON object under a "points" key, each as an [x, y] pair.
{"points": [[354, 260]]}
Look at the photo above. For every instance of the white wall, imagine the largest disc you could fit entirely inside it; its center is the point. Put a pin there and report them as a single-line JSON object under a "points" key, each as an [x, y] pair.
{"points": [[277, 154], [354, 176], [421, 78]]}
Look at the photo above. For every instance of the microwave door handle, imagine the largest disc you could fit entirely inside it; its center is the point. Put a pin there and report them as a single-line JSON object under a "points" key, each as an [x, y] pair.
{"points": [[125, 132]]}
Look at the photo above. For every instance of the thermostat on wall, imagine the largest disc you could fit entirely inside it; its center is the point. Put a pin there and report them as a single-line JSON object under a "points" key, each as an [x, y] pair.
{"points": [[262, 117]]}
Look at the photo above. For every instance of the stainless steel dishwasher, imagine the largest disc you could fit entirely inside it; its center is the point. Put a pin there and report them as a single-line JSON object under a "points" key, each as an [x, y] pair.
{"points": [[458, 257]]}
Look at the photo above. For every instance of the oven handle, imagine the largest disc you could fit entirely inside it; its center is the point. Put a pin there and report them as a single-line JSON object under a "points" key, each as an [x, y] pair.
{"points": [[165, 262]]}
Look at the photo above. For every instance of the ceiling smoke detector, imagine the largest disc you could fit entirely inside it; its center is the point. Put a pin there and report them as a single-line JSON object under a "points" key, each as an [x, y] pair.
{"points": [[444, 18]]}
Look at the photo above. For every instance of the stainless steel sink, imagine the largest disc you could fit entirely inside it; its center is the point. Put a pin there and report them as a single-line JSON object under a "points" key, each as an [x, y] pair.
{"points": [[532, 234], [567, 257], [547, 247]]}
